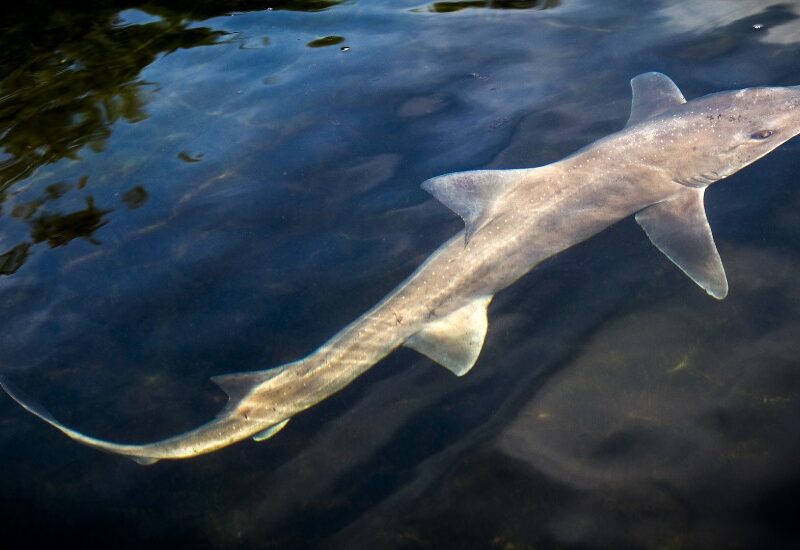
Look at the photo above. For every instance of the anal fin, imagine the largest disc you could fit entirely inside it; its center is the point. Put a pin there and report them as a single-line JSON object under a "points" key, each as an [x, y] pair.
{"points": [[455, 341], [272, 430], [143, 460], [679, 228]]}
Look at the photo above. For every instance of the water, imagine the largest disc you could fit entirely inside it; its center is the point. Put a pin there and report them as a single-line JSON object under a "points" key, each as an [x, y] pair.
{"points": [[200, 188]]}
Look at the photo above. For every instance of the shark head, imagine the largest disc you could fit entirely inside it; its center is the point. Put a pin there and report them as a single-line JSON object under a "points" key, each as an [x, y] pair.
{"points": [[747, 124], [712, 137]]}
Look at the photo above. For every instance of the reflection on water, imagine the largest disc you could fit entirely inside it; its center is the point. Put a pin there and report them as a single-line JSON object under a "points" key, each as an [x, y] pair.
{"points": [[63, 92], [198, 187], [447, 7], [54, 228], [186, 157], [58, 229], [12, 260], [66, 89], [204, 9], [325, 41], [135, 198]]}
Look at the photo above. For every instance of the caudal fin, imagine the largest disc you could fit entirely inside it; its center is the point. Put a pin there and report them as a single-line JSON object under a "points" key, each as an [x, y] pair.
{"points": [[38, 410], [28, 404], [228, 427]]}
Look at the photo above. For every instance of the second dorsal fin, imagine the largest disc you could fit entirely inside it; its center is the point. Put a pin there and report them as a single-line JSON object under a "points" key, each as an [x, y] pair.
{"points": [[239, 384], [473, 194], [653, 93]]}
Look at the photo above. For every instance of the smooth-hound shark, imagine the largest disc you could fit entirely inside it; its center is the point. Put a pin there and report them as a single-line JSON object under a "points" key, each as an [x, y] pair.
{"points": [[657, 168]]}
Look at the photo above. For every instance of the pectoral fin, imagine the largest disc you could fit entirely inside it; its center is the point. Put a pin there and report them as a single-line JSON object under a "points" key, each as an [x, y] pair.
{"points": [[455, 341], [679, 228], [472, 195]]}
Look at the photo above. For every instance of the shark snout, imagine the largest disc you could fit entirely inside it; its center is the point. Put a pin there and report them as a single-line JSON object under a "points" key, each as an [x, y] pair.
{"points": [[782, 109], [795, 96], [794, 108]]}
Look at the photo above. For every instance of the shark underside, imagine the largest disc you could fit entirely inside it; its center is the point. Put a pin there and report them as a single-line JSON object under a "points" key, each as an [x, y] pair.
{"points": [[657, 168]]}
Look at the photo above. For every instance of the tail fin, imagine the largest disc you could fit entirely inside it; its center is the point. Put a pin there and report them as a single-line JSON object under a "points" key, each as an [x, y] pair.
{"points": [[228, 427], [37, 410]]}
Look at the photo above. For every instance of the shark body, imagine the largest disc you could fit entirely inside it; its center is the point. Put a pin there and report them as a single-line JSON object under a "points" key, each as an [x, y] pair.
{"points": [[657, 168]]}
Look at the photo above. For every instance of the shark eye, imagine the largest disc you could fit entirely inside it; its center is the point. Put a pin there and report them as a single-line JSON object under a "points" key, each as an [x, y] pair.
{"points": [[761, 134]]}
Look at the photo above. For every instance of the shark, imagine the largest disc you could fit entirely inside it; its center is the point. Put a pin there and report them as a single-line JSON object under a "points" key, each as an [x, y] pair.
{"points": [[657, 168]]}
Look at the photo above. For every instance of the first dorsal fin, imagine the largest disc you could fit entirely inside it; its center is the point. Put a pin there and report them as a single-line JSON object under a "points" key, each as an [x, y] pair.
{"points": [[472, 194], [679, 228], [455, 341], [653, 93]]}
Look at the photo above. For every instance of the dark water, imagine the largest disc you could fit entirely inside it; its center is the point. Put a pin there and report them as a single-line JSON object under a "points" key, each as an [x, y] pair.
{"points": [[194, 188]]}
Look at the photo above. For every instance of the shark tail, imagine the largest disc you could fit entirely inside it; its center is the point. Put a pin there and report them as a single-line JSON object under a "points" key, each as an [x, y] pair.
{"points": [[228, 427], [39, 411]]}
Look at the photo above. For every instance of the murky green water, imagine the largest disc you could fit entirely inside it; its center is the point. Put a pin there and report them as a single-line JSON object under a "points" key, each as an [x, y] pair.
{"points": [[195, 188]]}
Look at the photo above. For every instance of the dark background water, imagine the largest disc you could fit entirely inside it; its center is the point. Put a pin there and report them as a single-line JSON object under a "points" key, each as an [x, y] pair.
{"points": [[194, 188]]}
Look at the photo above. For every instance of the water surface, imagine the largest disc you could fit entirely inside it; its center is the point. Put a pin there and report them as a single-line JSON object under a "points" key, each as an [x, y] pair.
{"points": [[195, 188]]}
